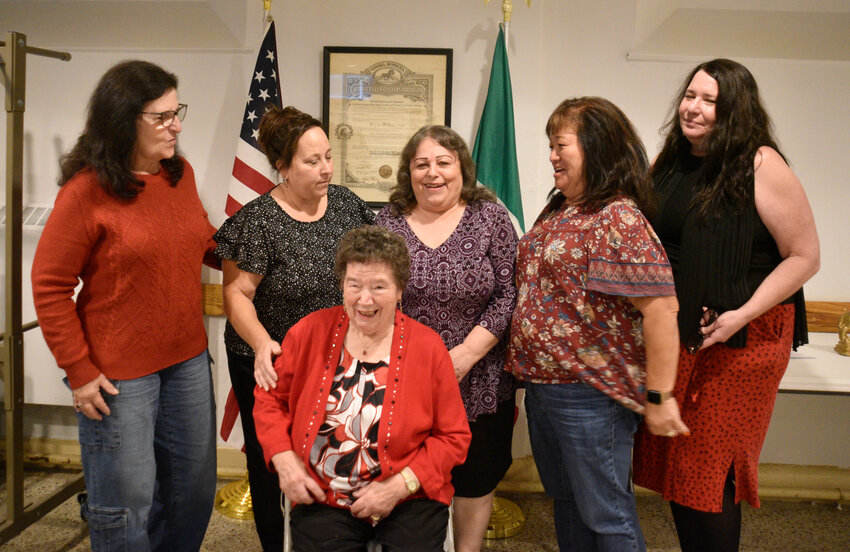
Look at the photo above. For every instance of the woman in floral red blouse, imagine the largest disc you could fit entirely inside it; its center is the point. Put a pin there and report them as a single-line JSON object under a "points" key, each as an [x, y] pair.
{"points": [[594, 330]]}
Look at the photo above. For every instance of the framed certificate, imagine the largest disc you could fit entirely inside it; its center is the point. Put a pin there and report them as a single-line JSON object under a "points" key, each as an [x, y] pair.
{"points": [[374, 100]]}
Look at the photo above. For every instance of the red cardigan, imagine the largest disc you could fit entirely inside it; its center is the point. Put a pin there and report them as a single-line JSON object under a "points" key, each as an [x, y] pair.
{"points": [[423, 424], [139, 308]]}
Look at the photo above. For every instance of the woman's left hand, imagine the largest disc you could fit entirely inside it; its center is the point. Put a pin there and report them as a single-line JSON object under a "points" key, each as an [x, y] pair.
{"points": [[664, 419], [378, 498], [726, 325], [477, 343], [463, 360]]}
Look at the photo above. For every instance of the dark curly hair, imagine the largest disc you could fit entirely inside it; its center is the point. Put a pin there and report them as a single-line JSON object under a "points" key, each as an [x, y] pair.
{"points": [[373, 244], [615, 162], [280, 130], [107, 142], [402, 200], [741, 127]]}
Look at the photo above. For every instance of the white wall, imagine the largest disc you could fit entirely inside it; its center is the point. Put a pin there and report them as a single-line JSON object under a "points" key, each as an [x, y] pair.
{"points": [[213, 81], [557, 49]]}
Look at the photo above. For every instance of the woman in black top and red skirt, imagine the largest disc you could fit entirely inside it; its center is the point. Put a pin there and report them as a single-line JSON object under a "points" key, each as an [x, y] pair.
{"points": [[740, 235]]}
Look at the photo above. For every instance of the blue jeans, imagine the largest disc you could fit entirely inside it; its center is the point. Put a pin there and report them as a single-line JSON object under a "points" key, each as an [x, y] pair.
{"points": [[150, 466], [582, 444]]}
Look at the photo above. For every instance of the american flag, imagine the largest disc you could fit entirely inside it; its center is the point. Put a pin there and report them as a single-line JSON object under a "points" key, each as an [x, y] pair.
{"points": [[251, 171], [250, 178], [231, 424]]}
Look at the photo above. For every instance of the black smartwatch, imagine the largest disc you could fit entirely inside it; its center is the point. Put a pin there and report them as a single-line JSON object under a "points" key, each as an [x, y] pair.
{"points": [[658, 397]]}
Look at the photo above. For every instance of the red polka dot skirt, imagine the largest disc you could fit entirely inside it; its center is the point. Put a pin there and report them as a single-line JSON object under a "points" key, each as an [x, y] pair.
{"points": [[726, 397]]}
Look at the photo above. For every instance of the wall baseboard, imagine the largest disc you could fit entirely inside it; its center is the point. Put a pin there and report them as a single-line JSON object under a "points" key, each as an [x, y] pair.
{"points": [[65, 453], [231, 463], [776, 481]]}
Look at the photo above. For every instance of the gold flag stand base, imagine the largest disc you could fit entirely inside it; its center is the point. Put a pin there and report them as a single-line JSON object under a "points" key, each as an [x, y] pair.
{"points": [[506, 519], [234, 500]]}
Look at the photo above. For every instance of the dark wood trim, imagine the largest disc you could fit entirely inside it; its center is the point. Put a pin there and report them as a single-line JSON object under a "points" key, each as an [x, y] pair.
{"points": [[213, 300], [822, 316]]}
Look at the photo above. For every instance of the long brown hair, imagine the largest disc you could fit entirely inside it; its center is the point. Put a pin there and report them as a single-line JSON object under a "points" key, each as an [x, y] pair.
{"points": [[402, 200], [107, 142], [615, 162], [741, 127]]}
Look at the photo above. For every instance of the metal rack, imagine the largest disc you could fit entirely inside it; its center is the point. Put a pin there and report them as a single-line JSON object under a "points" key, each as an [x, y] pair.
{"points": [[19, 516]]}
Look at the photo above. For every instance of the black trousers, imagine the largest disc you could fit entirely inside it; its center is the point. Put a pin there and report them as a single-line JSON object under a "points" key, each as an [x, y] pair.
{"points": [[708, 531], [417, 525], [265, 487]]}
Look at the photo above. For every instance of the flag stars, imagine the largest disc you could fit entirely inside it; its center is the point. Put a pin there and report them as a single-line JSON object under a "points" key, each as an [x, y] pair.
{"points": [[264, 75]]}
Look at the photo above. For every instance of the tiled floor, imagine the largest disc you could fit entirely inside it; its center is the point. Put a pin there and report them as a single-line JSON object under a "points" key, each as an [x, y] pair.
{"points": [[776, 527]]}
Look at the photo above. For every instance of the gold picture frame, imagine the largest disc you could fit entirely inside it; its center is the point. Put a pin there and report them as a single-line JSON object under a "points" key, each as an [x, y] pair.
{"points": [[373, 100]]}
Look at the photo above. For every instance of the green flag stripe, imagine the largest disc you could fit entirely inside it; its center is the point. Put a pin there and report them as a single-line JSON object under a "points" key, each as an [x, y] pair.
{"points": [[494, 152]]}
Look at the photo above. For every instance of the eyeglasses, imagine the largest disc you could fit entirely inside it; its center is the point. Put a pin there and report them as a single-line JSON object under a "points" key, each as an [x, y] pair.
{"points": [[166, 118], [694, 342]]}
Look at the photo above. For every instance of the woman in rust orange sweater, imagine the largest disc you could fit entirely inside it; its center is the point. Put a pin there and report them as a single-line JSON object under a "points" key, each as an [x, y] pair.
{"points": [[128, 222]]}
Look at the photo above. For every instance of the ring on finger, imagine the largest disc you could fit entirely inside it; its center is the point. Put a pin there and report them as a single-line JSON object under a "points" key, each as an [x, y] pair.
{"points": [[375, 518], [671, 433]]}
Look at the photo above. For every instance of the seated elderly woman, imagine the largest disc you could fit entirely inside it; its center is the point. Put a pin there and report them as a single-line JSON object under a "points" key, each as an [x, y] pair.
{"points": [[366, 422]]}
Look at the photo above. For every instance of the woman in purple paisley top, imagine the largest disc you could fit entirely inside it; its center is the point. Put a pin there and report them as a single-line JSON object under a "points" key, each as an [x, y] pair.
{"points": [[462, 250], [595, 326]]}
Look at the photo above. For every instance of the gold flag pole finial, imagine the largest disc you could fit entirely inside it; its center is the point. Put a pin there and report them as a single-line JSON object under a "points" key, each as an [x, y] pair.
{"points": [[267, 8], [507, 8]]}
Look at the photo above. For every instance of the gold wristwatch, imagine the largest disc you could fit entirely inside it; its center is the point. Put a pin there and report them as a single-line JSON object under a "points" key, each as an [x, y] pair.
{"points": [[410, 480]]}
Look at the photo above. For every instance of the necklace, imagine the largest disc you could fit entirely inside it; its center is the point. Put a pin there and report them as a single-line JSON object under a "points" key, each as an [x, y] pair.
{"points": [[358, 341], [327, 373]]}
